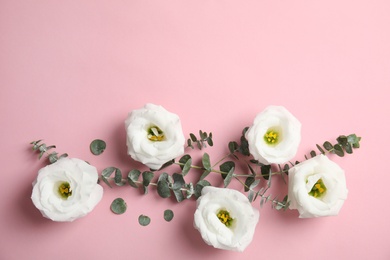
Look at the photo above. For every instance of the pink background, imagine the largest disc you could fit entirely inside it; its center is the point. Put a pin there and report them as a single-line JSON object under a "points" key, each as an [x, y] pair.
{"points": [[70, 71]]}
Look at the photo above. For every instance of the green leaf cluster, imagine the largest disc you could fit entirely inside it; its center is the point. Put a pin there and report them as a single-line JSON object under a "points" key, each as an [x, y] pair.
{"points": [[202, 141], [166, 184], [345, 145], [42, 148], [106, 176], [242, 148]]}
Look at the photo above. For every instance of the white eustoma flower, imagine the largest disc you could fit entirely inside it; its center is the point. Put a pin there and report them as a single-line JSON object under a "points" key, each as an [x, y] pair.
{"points": [[225, 218], [154, 136], [317, 187], [274, 136], [66, 190]]}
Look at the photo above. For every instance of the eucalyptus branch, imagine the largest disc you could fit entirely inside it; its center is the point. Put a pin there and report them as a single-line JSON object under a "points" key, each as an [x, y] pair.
{"points": [[261, 193], [175, 183], [202, 142], [42, 148]]}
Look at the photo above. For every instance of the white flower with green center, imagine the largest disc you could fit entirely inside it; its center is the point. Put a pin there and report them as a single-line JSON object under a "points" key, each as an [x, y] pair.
{"points": [[154, 136], [317, 187], [225, 218], [66, 190], [274, 136]]}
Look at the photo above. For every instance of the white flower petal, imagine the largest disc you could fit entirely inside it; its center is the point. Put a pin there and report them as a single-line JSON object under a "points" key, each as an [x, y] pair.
{"points": [[154, 153], [289, 131], [82, 178], [213, 231], [302, 178]]}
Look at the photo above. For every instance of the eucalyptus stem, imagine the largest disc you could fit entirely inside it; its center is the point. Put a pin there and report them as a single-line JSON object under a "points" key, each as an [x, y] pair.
{"points": [[262, 195], [223, 158], [192, 166], [140, 183]]}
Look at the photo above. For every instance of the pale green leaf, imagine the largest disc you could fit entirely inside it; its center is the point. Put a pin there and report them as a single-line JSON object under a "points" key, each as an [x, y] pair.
{"points": [[168, 215], [118, 206]]}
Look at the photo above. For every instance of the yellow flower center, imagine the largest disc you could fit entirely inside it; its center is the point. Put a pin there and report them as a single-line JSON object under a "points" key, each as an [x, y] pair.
{"points": [[318, 189], [65, 190], [225, 218], [155, 134], [271, 137]]}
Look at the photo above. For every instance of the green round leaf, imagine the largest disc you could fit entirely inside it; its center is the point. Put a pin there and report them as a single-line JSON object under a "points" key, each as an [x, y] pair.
{"points": [[199, 186], [168, 215], [143, 220], [118, 206], [328, 146], [97, 146], [163, 186]]}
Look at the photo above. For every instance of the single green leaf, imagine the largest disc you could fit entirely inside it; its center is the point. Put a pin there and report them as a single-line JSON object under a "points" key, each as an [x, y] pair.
{"points": [[262, 201], [168, 215], [178, 195], [168, 163], [105, 180], [342, 140], [163, 186], [206, 162], [248, 183], [251, 170], [210, 141], [203, 135], [189, 190], [132, 177], [251, 194], [184, 159], [53, 157], [35, 144], [348, 148], [328, 146], [178, 181], [108, 171], [354, 140], [63, 155], [204, 174], [193, 137], [42, 148], [245, 130], [187, 167], [226, 167], [244, 147], [199, 186], [254, 184], [228, 177], [97, 146], [266, 171], [118, 206], [338, 150], [233, 146], [189, 143], [118, 177], [143, 220], [147, 176], [320, 149], [41, 154]]}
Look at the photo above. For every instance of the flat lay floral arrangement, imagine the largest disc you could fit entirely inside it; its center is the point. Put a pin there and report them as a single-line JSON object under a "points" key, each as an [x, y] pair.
{"points": [[69, 188]]}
